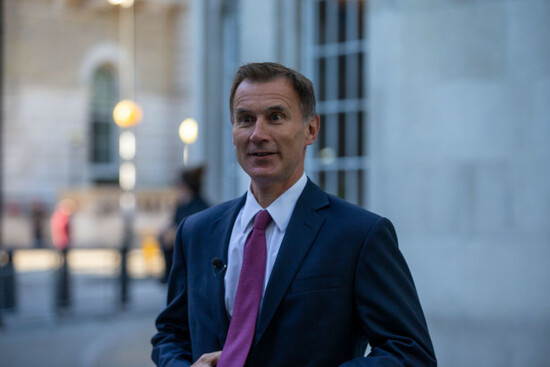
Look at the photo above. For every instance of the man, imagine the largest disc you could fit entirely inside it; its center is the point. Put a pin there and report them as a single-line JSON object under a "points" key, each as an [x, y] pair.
{"points": [[331, 279]]}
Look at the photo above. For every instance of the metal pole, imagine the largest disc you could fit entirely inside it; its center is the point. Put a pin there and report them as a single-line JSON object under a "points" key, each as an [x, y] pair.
{"points": [[126, 244], [8, 299], [127, 205], [127, 85], [63, 299]]}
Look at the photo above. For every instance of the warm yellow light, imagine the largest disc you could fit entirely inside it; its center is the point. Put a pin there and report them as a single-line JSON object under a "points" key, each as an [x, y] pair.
{"points": [[127, 113], [188, 131], [127, 176], [127, 145], [127, 3], [124, 3]]}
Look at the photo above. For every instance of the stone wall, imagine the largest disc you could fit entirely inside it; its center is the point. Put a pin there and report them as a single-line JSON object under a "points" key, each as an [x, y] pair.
{"points": [[52, 49], [459, 97]]}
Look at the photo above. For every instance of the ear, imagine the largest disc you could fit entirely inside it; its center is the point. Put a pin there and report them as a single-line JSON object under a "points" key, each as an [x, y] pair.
{"points": [[312, 129]]}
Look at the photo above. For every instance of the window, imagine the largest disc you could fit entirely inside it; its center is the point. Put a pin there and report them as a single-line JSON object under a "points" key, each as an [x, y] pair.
{"points": [[103, 156], [335, 59]]}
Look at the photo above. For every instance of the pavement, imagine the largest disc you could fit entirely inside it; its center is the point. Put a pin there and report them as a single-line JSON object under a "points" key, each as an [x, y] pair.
{"points": [[94, 331], [121, 340]]}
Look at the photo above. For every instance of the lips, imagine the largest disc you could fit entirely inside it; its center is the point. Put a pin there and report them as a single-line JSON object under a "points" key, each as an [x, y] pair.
{"points": [[261, 154]]}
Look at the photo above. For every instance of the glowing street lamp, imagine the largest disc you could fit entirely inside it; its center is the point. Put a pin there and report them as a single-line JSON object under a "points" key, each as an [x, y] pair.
{"points": [[123, 3], [188, 132], [127, 145], [127, 176], [127, 113]]}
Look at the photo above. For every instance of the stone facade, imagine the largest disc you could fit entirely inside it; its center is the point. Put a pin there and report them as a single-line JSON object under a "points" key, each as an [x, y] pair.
{"points": [[459, 100], [51, 50]]}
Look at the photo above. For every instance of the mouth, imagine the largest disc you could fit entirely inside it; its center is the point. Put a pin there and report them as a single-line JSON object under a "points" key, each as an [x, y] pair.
{"points": [[261, 154]]}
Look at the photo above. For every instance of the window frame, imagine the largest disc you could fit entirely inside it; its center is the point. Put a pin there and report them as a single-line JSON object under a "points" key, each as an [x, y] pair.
{"points": [[344, 170]]}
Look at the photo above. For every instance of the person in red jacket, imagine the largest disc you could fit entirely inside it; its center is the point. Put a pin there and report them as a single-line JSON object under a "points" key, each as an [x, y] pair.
{"points": [[61, 239], [60, 224]]}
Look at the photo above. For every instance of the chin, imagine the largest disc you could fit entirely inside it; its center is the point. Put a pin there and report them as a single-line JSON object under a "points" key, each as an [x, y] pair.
{"points": [[261, 175]]}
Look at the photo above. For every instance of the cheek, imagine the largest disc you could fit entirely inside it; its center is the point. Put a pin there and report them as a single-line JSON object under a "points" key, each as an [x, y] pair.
{"points": [[240, 144], [237, 139]]}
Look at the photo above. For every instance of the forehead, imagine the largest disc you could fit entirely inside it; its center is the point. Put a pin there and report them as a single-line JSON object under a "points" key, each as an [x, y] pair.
{"points": [[265, 94]]}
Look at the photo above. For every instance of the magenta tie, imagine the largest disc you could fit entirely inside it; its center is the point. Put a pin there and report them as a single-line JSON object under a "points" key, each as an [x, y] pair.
{"points": [[248, 296]]}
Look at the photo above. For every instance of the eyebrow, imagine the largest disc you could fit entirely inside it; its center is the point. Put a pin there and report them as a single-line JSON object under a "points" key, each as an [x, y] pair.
{"points": [[241, 110], [275, 108]]}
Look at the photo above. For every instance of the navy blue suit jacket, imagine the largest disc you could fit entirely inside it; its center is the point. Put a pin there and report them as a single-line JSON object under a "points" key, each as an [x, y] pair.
{"points": [[338, 283]]}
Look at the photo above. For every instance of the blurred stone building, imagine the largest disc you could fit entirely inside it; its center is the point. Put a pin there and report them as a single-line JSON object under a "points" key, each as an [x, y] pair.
{"points": [[434, 113], [66, 65]]}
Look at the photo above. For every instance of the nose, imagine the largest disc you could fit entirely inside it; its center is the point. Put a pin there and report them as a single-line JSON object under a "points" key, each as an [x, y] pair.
{"points": [[260, 132]]}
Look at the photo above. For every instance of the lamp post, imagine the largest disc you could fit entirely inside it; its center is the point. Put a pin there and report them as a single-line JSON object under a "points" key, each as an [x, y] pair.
{"points": [[188, 132], [126, 115]]}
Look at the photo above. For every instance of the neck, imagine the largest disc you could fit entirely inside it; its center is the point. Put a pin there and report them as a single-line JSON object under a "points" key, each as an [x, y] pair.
{"points": [[267, 192]]}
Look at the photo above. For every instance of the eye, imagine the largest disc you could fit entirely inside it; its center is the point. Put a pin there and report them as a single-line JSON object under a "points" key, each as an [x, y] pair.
{"points": [[245, 119], [276, 116]]}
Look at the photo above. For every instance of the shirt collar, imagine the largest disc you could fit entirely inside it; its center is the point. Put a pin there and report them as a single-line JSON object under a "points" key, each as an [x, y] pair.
{"points": [[280, 210]]}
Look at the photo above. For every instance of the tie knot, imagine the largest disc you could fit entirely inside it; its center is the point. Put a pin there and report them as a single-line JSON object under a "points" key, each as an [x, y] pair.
{"points": [[262, 220]]}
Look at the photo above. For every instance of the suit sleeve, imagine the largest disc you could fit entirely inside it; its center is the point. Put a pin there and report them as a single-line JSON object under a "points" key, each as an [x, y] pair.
{"points": [[172, 344], [387, 305]]}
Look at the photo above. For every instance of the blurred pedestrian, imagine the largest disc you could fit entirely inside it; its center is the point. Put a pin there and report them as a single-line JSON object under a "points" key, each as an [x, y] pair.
{"points": [[189, 201], [60, 224], [38, 216]]}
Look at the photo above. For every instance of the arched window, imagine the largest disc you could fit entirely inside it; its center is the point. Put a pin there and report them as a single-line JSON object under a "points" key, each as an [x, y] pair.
{"points": [[103, 156]]}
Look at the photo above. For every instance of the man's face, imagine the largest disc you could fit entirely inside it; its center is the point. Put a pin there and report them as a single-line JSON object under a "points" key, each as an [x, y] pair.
{"points": [[269, 134]]}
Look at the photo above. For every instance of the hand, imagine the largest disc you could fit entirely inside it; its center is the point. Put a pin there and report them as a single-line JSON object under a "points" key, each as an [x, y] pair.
{"points": [[208, 360]]}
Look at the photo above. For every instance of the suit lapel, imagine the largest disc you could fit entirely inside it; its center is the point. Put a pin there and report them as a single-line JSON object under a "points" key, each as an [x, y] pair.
{"points": [[301, 232], [219, 237]]}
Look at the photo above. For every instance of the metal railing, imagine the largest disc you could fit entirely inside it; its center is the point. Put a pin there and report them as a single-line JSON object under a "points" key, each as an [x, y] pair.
{"points": [[46, 285]]}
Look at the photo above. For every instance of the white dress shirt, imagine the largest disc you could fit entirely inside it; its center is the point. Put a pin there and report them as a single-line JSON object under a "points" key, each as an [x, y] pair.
{"points": [[280, 210]]}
